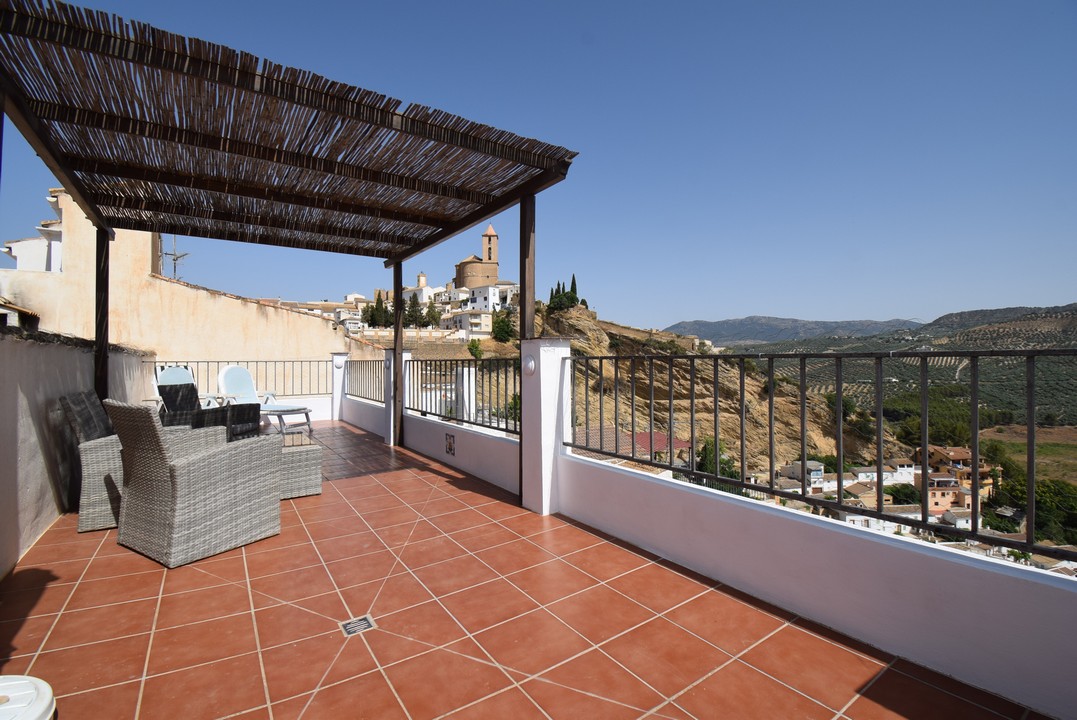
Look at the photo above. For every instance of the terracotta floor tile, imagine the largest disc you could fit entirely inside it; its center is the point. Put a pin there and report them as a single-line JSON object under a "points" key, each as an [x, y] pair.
{"points": [[562, 703], [367, 696], [22, 637], [395, 536], [657, 587], [393, 516], [816, 667], [348, 546], [605, 561], [837, 637], [427, 623], [461, 681], [438, 503], [500, 510], [511, 703], [87, 667], [385, 596], [514, 556], [116, 703], [334, 528], [479, 607], [288, 536], [529, 523], [281, 560], [666, 657], [388, 648], [17, 665], [532, 643], [565, 539], [896, 695], [741, 692], [426, 552], [600, 613], [30, 602], [286, 623], [186, 646], [57, 573], [980, 697], [353, 660], [300, 667], [481, 537], [723, 621], [460, 520], [328, 511], [551, 581], [454, 575], [104, 566], [359, 570], [79, 627], [295, 584], [198, 693], [377, 503], [206, 573], [595, 673], [204, 604], [42, 554], [138, 586]]}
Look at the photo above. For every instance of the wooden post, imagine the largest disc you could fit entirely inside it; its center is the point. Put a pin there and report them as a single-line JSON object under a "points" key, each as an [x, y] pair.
{"points": [[527, 267], [398, 354], [100, 346]]}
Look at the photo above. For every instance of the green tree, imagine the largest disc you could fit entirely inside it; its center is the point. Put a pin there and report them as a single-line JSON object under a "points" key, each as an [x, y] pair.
{"points": [[903, 494], [475, 349], [413, 312], [501, 328], [380, 316], [433, 315], [719, 463], [572, 289]]}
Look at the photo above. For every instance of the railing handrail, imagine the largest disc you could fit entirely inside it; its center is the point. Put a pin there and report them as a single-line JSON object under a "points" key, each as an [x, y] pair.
{"points": [[490, 399], [597, 375]]}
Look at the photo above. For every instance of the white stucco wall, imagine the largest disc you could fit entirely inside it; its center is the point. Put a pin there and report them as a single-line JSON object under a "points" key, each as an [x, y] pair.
{"points": [[486, 454], [1008, 629], [173, 319], [32, 470], [365, 414]]}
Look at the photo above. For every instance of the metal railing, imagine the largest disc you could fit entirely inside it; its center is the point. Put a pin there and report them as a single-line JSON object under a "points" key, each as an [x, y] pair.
{"points": [[284, 378], [711, 420], [476, 392], [365, 379]]}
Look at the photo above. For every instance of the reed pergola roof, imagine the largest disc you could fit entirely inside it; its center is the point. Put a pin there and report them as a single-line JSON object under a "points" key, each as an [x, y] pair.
{"points": [[153, 131]]}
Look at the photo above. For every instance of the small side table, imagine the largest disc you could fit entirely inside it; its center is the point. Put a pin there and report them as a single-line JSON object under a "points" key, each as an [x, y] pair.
{"points": [[301, 466], [281, 410]]}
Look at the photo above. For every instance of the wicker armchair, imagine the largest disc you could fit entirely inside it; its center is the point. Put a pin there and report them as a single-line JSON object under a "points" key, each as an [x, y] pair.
{"points": [[189, 494], [99, 461], [181, 406]]}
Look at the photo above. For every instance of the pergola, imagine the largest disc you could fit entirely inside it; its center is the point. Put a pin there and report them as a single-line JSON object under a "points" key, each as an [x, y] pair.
{"points": [[152, 131]]}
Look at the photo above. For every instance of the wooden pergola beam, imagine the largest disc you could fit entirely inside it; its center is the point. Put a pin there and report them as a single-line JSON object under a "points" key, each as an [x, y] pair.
{"points": [[107, 168], [37, 135], [259, 82], [533, 187], [165, 133], [391, 243]]}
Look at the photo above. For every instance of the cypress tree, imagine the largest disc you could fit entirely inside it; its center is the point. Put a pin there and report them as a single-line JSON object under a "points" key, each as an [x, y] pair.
{"points": [[573, 289]]}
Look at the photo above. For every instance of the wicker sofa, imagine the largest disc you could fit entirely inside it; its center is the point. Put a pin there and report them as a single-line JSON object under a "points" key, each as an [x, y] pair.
{"points": [[190, 494], [99, 460]]}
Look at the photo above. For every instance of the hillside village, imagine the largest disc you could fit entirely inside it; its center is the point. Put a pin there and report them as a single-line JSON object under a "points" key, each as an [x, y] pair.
{"points": [[459, 311]]}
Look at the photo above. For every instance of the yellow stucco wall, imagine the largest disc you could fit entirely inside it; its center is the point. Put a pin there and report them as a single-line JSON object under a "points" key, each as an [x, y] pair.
{"points": [[172, 319]]}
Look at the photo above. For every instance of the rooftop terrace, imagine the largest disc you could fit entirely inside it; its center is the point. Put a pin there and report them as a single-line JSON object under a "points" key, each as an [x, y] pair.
{"points": [[481, 609]]}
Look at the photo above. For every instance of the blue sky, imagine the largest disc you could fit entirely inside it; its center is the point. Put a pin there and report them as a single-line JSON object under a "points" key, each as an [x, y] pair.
{"points": [[825, 160]]}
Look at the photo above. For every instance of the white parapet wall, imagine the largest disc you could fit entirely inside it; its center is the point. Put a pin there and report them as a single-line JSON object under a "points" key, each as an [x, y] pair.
{"points": [[989, 623], [487, 454], [35, 467], [365, 414]]}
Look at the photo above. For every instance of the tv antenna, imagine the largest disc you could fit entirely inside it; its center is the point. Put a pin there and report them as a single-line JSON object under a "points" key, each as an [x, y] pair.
{"points": [[176, 258]]}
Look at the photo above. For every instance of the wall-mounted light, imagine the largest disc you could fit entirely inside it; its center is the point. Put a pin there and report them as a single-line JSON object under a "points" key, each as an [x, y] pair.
{"points": [[529, 365]]}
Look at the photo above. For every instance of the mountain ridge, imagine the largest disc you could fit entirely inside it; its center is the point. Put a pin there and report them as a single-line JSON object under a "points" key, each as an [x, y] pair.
{"points": [[764, 329]]}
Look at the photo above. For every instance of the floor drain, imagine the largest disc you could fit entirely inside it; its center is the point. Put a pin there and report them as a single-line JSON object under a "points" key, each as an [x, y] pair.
{"points": [[357, 625]]}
